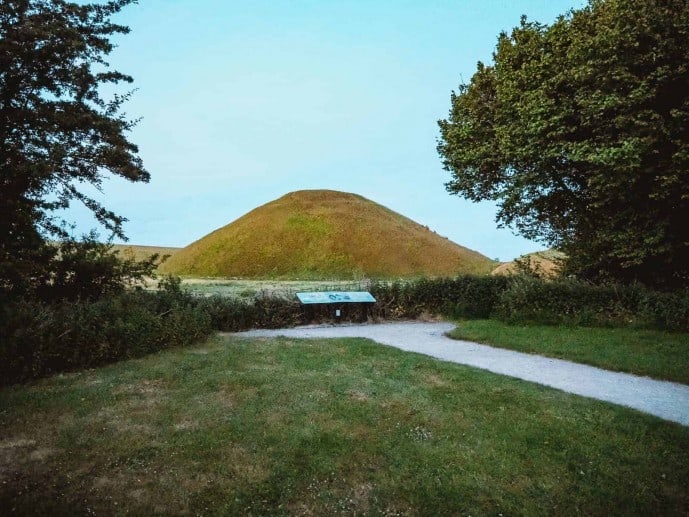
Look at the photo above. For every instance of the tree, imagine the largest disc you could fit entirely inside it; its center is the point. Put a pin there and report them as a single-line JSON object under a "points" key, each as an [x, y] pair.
{"points": [[57, 132], [89, 269], [580, 132]]}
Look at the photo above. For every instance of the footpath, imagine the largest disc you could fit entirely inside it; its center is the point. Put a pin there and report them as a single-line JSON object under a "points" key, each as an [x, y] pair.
{"points": [[667, 400]]}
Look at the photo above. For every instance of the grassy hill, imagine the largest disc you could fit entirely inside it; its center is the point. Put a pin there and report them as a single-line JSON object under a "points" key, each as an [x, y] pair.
{"points": [[544, 262], [324, 234]]}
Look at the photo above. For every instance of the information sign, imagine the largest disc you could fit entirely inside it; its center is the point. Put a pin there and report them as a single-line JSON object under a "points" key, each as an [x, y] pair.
{"points": [[336, 297]]}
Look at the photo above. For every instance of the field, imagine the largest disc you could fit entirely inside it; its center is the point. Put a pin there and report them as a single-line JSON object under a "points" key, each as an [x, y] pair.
{"points": [[251, 288], [348, 427], [143, 252]]}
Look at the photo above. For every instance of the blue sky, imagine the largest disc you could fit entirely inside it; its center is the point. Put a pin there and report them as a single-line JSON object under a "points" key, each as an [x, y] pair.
{"points": [[244, 101]]}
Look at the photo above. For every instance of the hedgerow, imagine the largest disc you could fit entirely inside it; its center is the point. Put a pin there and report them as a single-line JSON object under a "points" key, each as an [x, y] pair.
{"points": [[568, 301], [464, 296], [576, 302], [233, 315], [42, 338]]}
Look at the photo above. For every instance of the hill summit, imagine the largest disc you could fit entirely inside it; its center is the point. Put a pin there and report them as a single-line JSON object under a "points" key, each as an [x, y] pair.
{"points": [[324, 234]]}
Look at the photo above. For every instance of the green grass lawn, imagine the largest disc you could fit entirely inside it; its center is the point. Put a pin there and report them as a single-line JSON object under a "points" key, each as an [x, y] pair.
{"points": [[278, 426], [662, 355]]}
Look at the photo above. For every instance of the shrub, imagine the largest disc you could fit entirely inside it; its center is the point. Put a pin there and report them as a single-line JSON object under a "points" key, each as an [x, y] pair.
{"points": [[529, 299], [41, 339], [572, 302], [463, 296], [669, 311], [233, 315], [79, 269]]}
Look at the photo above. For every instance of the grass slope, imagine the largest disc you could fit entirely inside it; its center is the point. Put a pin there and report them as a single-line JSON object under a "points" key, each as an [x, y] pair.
{"points": [[288, 427], [654, 353], [324, 234], [543, 262], [143, 252]]}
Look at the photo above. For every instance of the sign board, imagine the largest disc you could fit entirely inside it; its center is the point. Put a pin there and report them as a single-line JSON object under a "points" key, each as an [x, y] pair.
{"points": [[336, 297]]}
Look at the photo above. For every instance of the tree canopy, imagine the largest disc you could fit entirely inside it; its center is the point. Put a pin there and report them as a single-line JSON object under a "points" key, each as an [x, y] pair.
{"points": [[580, 132], [57, 132]]}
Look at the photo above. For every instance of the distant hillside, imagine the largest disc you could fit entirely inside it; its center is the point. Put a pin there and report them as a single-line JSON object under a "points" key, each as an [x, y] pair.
{"points": [[324, 234], [142, 252], [543, 262]]}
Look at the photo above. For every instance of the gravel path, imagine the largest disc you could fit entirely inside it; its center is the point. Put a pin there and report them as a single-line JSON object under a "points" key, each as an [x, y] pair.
{"points": [[667, 400]]}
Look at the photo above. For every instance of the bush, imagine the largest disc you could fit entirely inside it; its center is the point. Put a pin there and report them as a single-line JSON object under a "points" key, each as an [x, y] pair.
{"points": [[669, 311], [76, 270], [464, 296], [233, 315], [575, 302], [41, 339], [529, 299]]}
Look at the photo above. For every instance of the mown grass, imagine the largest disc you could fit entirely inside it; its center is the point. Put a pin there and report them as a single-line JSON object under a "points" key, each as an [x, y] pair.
{"points": [[654, 353], [279, 426]]}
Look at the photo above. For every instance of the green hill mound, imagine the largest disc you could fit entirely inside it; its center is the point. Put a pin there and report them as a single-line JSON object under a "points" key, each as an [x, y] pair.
{"points": [[324, 234]]}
